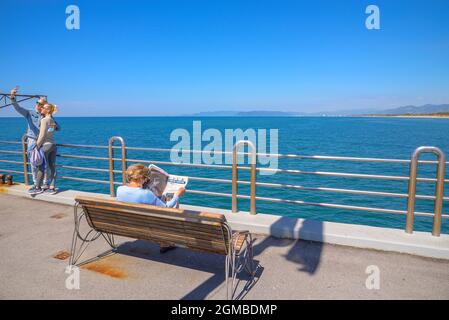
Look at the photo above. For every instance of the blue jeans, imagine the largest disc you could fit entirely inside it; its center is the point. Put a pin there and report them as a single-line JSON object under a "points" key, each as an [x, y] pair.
{"points": [[31, 144], [49, 173]]}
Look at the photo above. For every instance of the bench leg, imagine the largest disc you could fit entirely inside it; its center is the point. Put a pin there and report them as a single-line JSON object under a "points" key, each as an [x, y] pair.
{"points": [[110, 240], [231, 273], [249, 256], [227, 276], [81, 242], [236, 262]]}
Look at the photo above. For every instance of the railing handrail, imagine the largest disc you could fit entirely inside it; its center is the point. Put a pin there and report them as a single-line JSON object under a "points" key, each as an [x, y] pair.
{"points": [[439, 188], [290, 171], [24, 142], [111, 162], [274, 155], [438, 198], [253, 162], [261, 184]]}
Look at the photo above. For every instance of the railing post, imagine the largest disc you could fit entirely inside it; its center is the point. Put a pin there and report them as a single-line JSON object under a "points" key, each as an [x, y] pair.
{"points": [[253, 162], [26, 178], [111, 163], [439, 189]]}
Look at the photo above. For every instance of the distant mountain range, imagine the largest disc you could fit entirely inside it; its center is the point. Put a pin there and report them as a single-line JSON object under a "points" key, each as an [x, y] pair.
{"points": [[425, 109]]}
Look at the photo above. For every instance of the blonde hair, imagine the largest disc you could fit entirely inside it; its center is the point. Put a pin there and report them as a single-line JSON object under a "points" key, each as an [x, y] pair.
{"points": [[53, 108], [137, 172]]}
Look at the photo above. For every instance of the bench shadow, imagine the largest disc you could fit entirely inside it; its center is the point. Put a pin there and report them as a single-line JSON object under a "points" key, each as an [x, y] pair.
{"points": [[304, 253], [181, 257]]}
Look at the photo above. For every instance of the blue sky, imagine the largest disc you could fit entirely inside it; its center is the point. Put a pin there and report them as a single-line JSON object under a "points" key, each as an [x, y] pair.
{"points": [[167, 57]]}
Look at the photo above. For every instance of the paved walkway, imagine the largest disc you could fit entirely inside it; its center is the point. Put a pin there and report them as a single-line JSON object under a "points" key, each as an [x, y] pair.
{"points": [[32, 232]]}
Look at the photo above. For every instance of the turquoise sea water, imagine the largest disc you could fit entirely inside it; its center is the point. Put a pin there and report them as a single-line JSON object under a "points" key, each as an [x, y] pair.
{"points": [[361, 137]]}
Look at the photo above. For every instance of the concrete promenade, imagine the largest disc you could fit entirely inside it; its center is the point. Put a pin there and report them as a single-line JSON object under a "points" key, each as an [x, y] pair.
{"points": [[33, 232]]}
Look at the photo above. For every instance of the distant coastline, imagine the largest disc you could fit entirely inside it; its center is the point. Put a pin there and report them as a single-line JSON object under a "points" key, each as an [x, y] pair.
{"points": [[424, 111], [407, 115]]}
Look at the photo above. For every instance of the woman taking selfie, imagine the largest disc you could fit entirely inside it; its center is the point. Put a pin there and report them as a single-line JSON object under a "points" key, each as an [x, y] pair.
{"points": [[46, 143]]}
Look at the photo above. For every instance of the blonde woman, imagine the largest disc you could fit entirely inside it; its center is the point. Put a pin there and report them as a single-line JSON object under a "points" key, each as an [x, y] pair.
{"points": [[137, 175], [46, 142]]}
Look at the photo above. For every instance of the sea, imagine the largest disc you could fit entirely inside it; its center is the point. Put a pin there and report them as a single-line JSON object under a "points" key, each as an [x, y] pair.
{"points": [[394, 138]]}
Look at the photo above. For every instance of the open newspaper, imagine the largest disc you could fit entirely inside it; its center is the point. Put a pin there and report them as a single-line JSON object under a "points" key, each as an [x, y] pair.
{"points": [[164, 185]]}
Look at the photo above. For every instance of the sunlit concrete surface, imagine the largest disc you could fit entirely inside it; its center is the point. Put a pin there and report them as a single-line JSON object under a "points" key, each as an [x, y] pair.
{"points": [[360, 236], [32, 232]]}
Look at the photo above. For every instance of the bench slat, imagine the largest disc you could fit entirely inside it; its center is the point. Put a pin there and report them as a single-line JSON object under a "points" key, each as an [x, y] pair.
{"points": [[145, 209], [124, 216], [200, 233], [174, 239], [151, 232], [149, 213]]}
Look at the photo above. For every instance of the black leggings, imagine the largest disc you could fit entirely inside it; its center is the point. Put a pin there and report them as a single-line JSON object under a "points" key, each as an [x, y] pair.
{"points": [[49, 150]]}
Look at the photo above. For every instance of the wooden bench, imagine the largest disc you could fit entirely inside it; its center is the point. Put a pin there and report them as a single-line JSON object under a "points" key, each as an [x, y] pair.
{"points": [[200, 231]]}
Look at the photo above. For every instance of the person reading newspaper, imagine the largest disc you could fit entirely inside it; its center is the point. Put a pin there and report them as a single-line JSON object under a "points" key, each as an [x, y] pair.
{"points": [[137, 175], [164, 185]]}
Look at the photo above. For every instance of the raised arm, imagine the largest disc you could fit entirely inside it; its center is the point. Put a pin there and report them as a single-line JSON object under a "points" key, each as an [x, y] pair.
{"points": [[24, 112], [42, 132]]}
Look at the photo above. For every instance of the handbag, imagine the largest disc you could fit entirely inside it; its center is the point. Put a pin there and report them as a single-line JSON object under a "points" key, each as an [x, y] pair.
{"points": [[36, 157]]}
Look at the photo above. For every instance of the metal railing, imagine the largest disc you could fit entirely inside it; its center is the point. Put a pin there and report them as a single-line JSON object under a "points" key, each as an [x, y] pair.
{"points": [[253, 163], [111, 163], [412, 179], [439, 189]]}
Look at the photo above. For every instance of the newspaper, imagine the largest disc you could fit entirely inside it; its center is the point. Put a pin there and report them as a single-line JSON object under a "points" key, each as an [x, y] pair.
{"points": [[162, 184]]}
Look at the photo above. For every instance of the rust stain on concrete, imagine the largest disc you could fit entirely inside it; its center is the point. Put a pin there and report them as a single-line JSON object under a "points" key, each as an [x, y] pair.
{"points": [[107, 266], [62, 255], [4, 187], [58, 216]]}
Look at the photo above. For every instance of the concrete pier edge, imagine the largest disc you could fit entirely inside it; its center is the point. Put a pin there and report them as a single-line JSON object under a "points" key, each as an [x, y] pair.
{"points": [[360, 236]]}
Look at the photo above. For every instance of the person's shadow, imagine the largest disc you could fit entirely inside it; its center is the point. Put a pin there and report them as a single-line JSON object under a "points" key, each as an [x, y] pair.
{"points": [[305, 253]]}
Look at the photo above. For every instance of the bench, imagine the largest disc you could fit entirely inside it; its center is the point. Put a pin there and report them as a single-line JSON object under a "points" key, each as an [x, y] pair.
{"points": [[195, 230]]}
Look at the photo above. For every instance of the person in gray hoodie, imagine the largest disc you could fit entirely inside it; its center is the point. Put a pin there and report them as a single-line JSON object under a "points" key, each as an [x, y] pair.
{"points": [[33, 118]]}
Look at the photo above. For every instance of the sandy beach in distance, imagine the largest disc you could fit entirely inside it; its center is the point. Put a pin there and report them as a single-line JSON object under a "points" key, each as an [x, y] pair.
{"points": [[406, 116]]}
